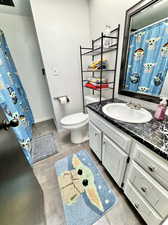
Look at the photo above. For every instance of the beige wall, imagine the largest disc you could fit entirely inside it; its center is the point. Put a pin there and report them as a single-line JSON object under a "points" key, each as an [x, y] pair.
{"points": [[62, 26]]}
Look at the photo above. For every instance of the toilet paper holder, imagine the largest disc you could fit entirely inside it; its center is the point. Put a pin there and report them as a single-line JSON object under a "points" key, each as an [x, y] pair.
{"points": [[59, 98]]}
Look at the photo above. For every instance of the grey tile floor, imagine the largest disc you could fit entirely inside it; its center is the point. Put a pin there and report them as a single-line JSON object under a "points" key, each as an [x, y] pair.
{"points": [[121, 214]]}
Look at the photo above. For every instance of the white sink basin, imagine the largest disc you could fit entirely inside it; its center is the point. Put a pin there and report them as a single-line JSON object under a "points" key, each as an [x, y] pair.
{"points": [[121, 111]]}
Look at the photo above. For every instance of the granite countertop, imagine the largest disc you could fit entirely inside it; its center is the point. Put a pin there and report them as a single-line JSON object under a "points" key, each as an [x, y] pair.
{"points": [[148, 134]]}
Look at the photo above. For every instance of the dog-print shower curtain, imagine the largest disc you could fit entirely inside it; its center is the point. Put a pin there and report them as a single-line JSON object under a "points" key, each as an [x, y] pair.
{"points": [[13, 99], [148, 59]]}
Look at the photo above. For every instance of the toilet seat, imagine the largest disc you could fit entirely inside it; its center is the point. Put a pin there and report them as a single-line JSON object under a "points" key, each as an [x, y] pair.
{"points": [[75, 120]]}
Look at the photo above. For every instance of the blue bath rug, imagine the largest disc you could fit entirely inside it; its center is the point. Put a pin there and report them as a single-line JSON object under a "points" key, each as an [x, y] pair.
{"points": [[85, 193]]}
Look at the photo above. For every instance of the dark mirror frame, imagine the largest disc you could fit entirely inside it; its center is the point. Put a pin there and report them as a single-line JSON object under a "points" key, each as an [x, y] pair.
{"points": [[129, 13]]}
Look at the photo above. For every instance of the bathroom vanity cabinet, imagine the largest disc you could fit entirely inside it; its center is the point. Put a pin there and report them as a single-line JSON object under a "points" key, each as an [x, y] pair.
{"points": [[141, 173], [110, 145]]}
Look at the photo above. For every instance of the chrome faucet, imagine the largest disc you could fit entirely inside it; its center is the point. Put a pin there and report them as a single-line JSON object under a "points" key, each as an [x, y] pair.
{"points": [[134, 106]]}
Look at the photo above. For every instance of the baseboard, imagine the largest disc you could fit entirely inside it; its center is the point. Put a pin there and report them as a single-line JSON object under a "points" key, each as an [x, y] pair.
{"points": [[43, 119]]}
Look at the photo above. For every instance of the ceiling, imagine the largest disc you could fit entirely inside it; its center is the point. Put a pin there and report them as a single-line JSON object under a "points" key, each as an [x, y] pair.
{"points": [[22, 7]]}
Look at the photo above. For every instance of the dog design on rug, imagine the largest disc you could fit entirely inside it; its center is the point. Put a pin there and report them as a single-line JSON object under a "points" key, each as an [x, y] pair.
{"points": [[77, 181]]}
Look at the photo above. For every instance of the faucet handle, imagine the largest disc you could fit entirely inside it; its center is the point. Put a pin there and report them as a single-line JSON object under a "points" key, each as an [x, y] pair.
{"points": [[129, 104], [134, 106], [138, 106]]}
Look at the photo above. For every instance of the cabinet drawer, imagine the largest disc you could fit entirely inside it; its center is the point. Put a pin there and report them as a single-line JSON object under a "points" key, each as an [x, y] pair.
{"points": [[145, 210], [95, 140], [153, 192], [114, 160], [111, 131], [156, 167]]}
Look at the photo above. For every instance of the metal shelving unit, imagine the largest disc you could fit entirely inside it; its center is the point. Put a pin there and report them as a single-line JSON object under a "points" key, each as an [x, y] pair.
{"points": [[100, 51]]}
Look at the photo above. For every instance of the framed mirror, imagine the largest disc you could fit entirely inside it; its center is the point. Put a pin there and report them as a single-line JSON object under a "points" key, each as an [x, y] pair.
{"points": [[144, 66]]}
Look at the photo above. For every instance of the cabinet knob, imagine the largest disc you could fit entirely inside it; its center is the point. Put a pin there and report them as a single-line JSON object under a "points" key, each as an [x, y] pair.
{"points": [[144, 189], [151, 169], [136, 205], [96, 134], [104, 142]]}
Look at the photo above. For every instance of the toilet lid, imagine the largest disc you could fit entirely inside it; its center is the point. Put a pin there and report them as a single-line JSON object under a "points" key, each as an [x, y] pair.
{"points": [[74, 119]]}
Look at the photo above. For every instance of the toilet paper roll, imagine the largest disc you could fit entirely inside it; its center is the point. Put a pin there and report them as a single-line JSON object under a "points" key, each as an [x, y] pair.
{"points": [[63, 100]]}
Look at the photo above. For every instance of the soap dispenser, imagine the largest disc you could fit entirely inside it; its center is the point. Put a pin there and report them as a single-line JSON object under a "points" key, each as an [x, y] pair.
{"points": [[161, 110]]}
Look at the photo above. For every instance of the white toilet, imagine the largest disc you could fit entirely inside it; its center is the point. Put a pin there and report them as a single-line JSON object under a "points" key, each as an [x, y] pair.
{"points": [[78, 125]]}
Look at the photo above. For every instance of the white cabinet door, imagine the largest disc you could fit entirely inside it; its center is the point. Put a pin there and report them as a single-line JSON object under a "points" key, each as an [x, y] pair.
{"points": [[114, 160], [95, 140], [120, 138]]}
